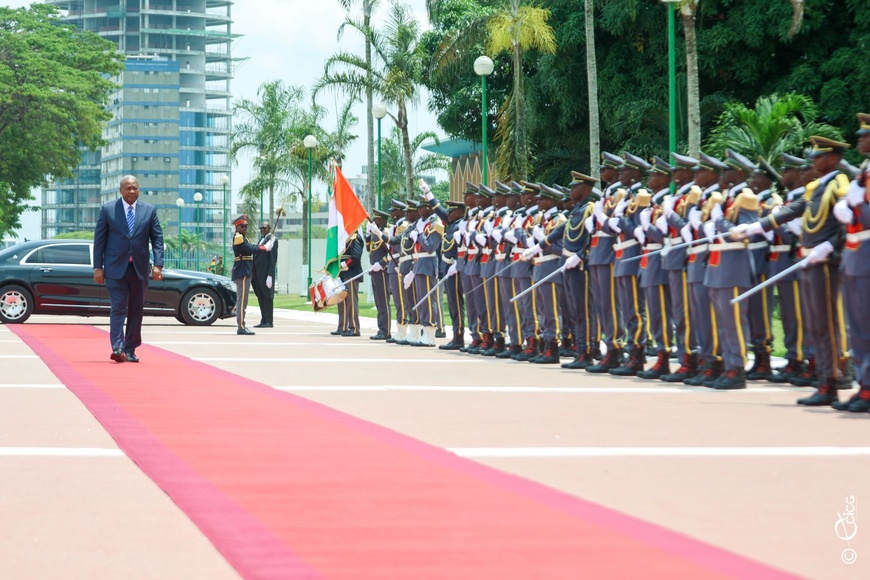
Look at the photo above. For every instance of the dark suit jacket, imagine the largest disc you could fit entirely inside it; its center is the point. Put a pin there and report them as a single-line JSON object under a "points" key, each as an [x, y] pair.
{"points": [[265, 263], [114, 246]]}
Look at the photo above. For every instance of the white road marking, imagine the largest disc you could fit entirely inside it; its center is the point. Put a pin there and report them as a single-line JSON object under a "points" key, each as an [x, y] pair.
{"points": [[343, 360], [59, 452], [522, 389], [30, 386], [258, 343], [567, 452]]}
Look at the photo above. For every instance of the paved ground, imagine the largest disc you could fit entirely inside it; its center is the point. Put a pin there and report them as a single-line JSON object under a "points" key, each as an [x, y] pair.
{"points": [[748, 471]]}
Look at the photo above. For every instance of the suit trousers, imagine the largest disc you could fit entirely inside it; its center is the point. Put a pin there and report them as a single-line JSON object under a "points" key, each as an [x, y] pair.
{"points": [[265, 298], [381, 294], [733, 325], [127, 299], [821, 288], [243, 290], [856, 289], [348, 309]]}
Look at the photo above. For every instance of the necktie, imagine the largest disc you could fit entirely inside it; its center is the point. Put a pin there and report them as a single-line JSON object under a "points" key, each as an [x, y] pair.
{"points": [[130, 219]]}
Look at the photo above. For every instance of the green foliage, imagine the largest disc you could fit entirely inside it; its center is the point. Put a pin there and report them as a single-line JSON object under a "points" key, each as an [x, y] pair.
{"points": [[393, 163], [54, 84], [83, 235], [441, 191]]}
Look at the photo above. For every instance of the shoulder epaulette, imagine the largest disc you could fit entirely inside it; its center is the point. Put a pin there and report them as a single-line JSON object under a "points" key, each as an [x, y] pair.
{"points": [[238, 239]]}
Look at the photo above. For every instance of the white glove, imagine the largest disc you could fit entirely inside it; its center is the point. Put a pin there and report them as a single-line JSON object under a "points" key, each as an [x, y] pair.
{"points": [[468, 238], [531, 252], [391, 231], [662, 224], [795, 227], [639, 235], [457, 237], [510, 236], [463, 226], [695, 217], [598, 208], [497, 236], [413, 235], [668, 206], [613, 224], [572, 261], [421, 225], [488, 225], [518, 222], [451, 270], [709, 230], [408, 279], [269, 244], [645, 217], [716, 213], [372, 228], [343, 267], [686, 233], [268, 281], [376, 267], [747, 230], [843, 212], [590, 225], [538, 233], [620, 207], [819, 254], [424, 187], [855, 195], [480, 239], [472, 225]]}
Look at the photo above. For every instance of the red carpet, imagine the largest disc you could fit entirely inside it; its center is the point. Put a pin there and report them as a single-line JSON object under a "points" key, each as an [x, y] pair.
{"points": [[288, 488]]}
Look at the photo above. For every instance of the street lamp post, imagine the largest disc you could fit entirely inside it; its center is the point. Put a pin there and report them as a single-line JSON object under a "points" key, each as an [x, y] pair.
{"points": [[197, 198], [180, 203], [483, 66], [379, 111], [310, 143], [225, 180]]}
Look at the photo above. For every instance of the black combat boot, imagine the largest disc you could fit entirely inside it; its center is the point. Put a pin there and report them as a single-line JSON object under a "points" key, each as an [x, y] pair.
{"points": [[497, 347], [688, 369], [550, 356], [611, 360], [784, 374], [661, 367], [530, 351], [731, 379], [760, 370], [824, 397], [633, 365], [457, 343], [582, 361], [806, 378], [510, 352], [858, 403]]}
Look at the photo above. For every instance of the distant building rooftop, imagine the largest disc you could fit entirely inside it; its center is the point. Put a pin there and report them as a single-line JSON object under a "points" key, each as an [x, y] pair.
{"points": [[453, 148]]}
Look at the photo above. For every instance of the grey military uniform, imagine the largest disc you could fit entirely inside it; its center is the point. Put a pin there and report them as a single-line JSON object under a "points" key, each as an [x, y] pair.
{"points": [[377, 249], [426, 270]]}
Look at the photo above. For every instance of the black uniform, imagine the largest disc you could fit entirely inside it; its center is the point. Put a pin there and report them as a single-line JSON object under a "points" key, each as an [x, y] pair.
{"points": [[264, 267], [348, 309]]}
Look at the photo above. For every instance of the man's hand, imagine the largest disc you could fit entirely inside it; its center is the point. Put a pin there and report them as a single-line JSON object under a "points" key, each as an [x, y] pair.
{"points": [[496, 235], [269, 244], [528, 253], [856, 193], [157, 272], [620, 207], [572, 261], [372, 228], [662, 224], [695, 217], [408, 279], [709, 230], [480, 239], [510, 236], [376, 267], [424, 187], [457, 237], [99, 276], [819, 254], [421, 225], [413, 235], [451, 270], [488, 225], [343, 267], [463, 226], [795, 227], [268, 281], [716, 213], [686, 233], [589, 224], [639, 235], [538, 233], [668, 206], [613, 224], [645, 217], [843, 212], [743, 231]]}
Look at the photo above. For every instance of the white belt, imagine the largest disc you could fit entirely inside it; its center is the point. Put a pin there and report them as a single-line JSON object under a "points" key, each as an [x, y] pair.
{"points": [[543, 259], [625, 244], [463, 248], [487, 251], [447, 260], [568, 253], [424, 255], [404, 259], [727, 246], [757, 245], [676, 240], [500, 257], [858, 236], [653, 247], [516, 250], [601, 235], [780, 249], [472, 251], [698, 249]]}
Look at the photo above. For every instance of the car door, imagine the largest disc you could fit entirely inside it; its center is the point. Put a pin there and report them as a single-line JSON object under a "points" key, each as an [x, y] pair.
{"points": [[62, 277]]}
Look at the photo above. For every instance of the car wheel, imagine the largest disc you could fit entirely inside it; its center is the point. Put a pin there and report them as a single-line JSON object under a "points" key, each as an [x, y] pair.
{"points": [[16, 304], [200, 307]]}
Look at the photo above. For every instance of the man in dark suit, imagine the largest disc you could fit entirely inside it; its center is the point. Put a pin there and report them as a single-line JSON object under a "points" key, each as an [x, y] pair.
{"points": [[264, 276], [124, 229]]}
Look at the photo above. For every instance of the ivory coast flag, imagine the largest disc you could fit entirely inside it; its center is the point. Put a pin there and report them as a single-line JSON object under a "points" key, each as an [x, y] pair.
{"points": [[346, 214]]}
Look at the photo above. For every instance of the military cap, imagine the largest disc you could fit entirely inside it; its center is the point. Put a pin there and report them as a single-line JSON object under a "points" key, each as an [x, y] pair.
{"points": [[412, 204], [534, 187], [710, 162], [634, 162], [502, 188], [794, 162], [735, 160], [863, 124], [610, 160], [381, 214], [547, 191], [684, 161], [398, 204], [577, 178], [518, 187], [659, 165], [242, 219], [455, 204], [470, 188], [765, 168], [485, 191], [823, 145]]}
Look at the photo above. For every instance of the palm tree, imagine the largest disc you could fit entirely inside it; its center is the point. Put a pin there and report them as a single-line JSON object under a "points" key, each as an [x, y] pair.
{"points": [[777, 125], [592, 86], [393, 161], [341, 138], [368, 6], [513, 26]]}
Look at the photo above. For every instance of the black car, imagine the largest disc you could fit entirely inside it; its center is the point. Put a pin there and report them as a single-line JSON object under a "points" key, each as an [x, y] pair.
{"points": [[57, 277]]}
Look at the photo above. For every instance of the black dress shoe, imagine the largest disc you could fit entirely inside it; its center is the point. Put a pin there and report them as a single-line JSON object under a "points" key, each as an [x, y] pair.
{"points": [[131, 357], [440, 334], [118, 355], [245, 331], [263, 325], [337, 332], [379, 336], [350, 333]]}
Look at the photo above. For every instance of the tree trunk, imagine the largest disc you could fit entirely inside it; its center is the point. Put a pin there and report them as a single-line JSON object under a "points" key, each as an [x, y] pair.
{"points": [[406, 146], [592, 85], [521, 150], [371, 173], [693, 104]]}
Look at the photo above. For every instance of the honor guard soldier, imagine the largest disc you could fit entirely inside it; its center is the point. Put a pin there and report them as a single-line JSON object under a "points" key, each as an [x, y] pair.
{"points": [[379, 258], [734, 178], [653, 277], [503, 257], [427, 236], [393, 234], [478, 249], [519, 235], [263, 279], [407, 244], [854, 213], [243, 269], [823, 240], [545, 261], [470, 268], [350, 267], [450, 263], [489, 267]]}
